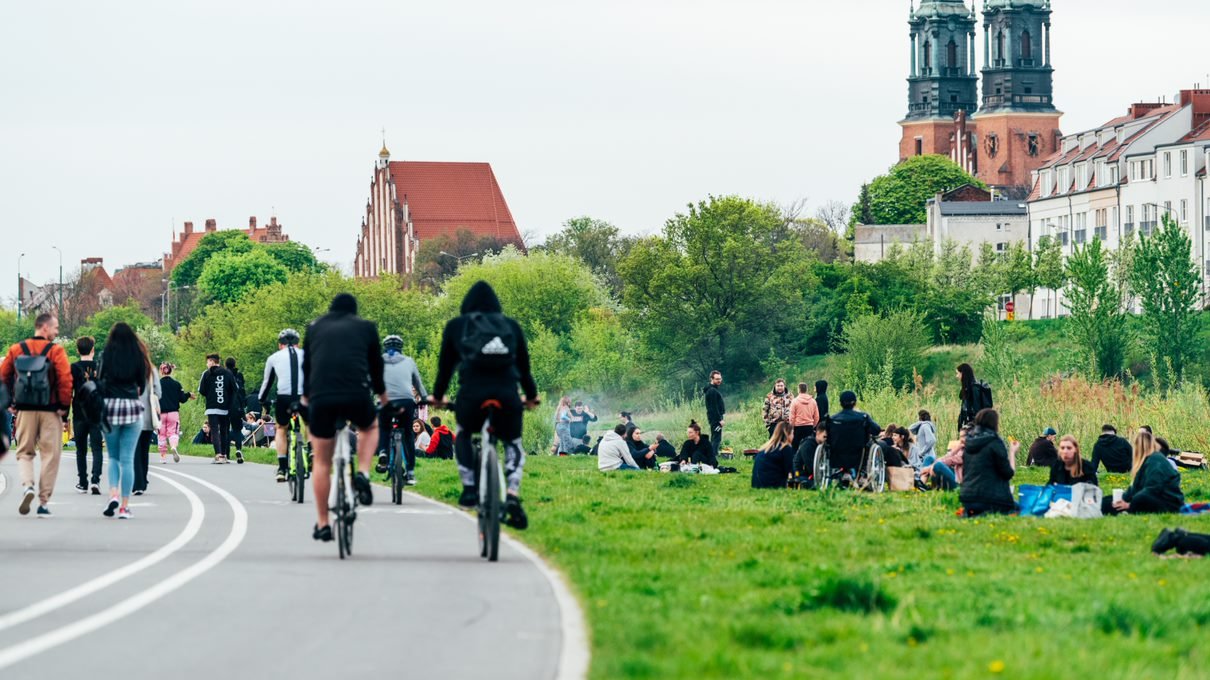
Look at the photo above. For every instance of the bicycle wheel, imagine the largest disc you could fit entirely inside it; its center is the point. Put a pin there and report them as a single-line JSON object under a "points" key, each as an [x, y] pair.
{"points": [[492, 506], [339, 470], [300, 469], [399, 472]]}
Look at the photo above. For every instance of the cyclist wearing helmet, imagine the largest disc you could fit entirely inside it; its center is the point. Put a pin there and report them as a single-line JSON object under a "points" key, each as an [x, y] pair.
{"points": [[400, 374], [285, 368]]}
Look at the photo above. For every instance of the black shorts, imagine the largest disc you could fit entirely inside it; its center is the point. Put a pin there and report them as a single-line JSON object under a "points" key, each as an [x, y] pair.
{"points": [[324, 412], [281, 410], [508, 420]]}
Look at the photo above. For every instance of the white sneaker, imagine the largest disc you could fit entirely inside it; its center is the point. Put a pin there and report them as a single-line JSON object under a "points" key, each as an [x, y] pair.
{"points": [[27, 499], [176, 457], [163, 459]]}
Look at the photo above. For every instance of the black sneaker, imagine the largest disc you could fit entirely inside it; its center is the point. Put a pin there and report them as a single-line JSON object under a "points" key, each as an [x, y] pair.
{"points": [[43, 511], [111, 508], [361, 484], [469, 497], [239, 457], [324, 534], [1166, 540], [95, 488], [381, 467], [514, 514], [82, 488]]}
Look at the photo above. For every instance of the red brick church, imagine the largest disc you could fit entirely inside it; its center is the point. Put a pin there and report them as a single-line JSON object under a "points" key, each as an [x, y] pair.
{"points": [[413, 201]]}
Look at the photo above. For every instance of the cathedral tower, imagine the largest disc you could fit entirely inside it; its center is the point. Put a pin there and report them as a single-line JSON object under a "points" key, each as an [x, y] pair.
{"points": [[942, 79]]}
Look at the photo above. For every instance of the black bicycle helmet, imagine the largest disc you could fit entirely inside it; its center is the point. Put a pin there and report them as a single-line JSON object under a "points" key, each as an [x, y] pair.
{"points": [[393, 342], [288, 336]]}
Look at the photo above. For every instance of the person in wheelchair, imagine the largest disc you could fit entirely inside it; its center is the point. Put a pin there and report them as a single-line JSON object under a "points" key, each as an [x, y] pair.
{"points": [[849, 435]]}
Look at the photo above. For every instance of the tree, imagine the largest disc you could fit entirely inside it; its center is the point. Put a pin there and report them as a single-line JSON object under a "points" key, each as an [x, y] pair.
{"points": [[1048, 268], [227, 277], [1018, 271], [818, 238], [836, 215], [440, 257], [719, 287], [294, 256], [1098, 322], [189, 270], [99, 324], [899, 197], [989, 271], [1165, 279], [884, 350], [956, 298], [597, 244]]}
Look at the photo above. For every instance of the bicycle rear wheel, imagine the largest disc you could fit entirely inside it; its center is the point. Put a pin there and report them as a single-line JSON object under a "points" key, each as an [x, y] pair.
{"points": [[341, 516], [492, 506], [300, 469], [399, 473]]}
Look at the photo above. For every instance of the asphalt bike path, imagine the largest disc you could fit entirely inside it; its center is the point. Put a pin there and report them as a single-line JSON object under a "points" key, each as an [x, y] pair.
{"points": [[217, 575]]}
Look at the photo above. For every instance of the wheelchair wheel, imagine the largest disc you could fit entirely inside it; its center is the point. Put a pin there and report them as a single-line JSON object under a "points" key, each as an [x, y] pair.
{"points": [[822, 470], [875, 469]]}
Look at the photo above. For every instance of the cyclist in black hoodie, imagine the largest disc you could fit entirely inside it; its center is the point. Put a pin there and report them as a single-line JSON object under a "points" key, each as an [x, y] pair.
{"points": [[490, 368]]}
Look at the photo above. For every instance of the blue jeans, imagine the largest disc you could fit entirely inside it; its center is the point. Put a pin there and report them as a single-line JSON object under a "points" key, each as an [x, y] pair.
{"points": [[945, 474], [121, 441], [624, 466]]}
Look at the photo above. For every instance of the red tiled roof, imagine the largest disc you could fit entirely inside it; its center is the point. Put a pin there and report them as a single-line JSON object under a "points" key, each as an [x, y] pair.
{"points": [[1036, 192], [443, 198], [1200, 134]]}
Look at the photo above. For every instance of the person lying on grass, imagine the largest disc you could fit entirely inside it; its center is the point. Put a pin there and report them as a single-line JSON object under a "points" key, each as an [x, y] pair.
{"points": [[1155, 486], [989, 466], [775, 462], [696, 448], [1070, 468]]}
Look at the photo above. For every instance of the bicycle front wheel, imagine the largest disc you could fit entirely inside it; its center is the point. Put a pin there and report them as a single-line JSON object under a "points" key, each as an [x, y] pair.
{"points": [[493, 508], [341, 511], [300, 470]]}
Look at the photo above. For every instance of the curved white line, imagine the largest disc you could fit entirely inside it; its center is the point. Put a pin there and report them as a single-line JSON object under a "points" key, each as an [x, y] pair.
{"points": [[573, 652], [33, 611], [239, 528]]}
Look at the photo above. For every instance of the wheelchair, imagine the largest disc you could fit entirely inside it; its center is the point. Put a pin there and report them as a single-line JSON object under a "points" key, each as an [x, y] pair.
{"points": [[869, 475]]}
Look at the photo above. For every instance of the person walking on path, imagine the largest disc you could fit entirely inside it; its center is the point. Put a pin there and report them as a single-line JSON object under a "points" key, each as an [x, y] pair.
{"points": [[716, 411], [218, 389], [172, 397], [804, 416], [38, 376], [86, 435], [125, 368], [150, 396], [237, 409], [777, 405]]}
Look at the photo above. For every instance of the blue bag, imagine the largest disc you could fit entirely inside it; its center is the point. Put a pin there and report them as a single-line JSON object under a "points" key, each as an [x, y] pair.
{"points": [[1035, 500]]}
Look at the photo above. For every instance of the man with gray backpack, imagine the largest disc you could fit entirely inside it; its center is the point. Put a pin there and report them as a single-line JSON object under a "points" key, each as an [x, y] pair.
{"points": [[38, 376]]}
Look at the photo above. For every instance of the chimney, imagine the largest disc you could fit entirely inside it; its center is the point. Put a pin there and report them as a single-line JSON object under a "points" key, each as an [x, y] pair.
{"points": [[189, 227], [1141, 109], [211, 225], [252, 223]]}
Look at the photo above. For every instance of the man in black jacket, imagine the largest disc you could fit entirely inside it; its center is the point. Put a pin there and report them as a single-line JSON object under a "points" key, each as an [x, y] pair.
{"points": [[1114, 451], [217, 387], [342, 363], [85, 434], [490, 367], [849, 433], [716, 411]]}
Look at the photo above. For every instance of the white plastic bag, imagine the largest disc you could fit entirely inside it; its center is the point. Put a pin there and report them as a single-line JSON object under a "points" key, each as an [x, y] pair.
{"points": [[1086, 501]]}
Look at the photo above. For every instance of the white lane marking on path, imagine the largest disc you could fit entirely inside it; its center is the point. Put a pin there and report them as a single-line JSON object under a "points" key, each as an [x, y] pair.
{"points": [[3, 483], [574, 654], [33, 611], [239, 529]]}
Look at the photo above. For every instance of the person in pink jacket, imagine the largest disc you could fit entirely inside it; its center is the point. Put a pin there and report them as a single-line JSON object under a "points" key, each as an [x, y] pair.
{"points": [[948, 468], [804, 415]]}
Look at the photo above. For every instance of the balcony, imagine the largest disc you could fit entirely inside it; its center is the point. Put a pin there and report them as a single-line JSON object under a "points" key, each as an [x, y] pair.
{"points": [[944, 109], [992, 101]]}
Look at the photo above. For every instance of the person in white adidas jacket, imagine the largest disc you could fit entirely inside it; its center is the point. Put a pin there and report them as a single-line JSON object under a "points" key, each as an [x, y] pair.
{"points": [[613, 452]]}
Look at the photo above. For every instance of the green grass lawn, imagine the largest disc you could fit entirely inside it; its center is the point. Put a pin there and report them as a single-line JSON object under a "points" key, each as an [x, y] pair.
{"points": [[685, 576]]}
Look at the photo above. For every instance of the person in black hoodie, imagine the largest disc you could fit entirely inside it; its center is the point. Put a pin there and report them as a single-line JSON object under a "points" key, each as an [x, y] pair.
{"points": [[716, 411], [342, 364], [988, 467], [775, 463], [821, 398], [235, 418], [1112, 450], [1155, 485], [217, 387], [85, 434], [663, 447], [696, 449], [492, 357]]}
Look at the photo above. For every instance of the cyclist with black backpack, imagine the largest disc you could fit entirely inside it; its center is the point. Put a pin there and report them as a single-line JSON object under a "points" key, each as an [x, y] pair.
{"points": [[490, 351], [974, 395], [283, 367], [38, 375], [86, 434]]}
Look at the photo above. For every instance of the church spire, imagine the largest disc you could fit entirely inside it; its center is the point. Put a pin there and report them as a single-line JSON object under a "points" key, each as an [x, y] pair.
{"points": [[942, 81]]}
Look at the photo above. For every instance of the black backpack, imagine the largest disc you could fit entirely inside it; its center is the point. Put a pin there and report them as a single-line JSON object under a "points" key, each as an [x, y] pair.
{"points": [[983, 396], [488, 341], [31, 389]]}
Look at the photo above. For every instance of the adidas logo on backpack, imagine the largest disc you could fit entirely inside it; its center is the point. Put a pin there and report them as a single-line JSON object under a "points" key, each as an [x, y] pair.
{"points": [[496, 346]]}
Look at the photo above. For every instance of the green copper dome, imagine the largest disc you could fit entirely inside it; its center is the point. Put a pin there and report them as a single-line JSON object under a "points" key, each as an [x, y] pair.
{"points": [[1008, 4], [940, 8]]}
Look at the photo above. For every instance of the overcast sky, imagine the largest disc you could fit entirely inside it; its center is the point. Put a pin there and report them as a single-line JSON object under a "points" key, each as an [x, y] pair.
{"points": [[119, 121]]}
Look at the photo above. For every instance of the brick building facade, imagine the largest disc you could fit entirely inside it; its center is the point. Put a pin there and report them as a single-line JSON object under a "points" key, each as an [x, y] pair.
{"points": [[184, 243]]}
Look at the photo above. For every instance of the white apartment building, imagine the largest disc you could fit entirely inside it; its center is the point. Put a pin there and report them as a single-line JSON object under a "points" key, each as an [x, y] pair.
{"points": [[1118, 179]]}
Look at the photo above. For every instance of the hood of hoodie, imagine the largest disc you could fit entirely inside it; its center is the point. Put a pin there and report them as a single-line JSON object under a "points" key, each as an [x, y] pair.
{"points": [[481, 298], [441, 429], [979, 439], [804, 398], [612, 436]]}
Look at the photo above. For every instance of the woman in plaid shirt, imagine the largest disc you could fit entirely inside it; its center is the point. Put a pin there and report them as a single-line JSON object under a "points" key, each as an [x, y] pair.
{"points": [[125, 366]]}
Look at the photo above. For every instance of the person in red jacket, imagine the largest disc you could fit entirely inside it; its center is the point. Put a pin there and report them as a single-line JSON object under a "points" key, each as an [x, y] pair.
{"points": [[41, 413], [441, 442]]}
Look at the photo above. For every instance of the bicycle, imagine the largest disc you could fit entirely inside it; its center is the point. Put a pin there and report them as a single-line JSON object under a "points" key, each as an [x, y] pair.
{"points": [[341, 500], [398, 464], [299, 470], [491, 486]]}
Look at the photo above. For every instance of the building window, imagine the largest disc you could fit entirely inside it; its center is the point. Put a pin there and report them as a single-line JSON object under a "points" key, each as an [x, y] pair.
{"points": [[1032, 145], [1167, 164], [928, 57], [1184, 211], [919, 146], [951, 55], [1062, 238], [1102, 233], [1184, 163], [999, 48], [1027, 49], [999, 226], [1168, 208], [1001, 248]]}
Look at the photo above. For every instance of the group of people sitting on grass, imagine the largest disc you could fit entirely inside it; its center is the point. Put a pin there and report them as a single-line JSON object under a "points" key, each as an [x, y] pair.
{"points": [[623, 448]]}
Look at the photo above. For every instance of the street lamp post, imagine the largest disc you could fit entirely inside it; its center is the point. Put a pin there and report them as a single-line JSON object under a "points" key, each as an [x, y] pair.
{"points": [[56, 248]]}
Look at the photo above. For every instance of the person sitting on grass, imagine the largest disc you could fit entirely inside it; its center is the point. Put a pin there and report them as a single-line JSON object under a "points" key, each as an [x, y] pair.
{"points": [[1155, 486], [643, 453], [421, 433], [947, 470], [775, 462], [696, 449], [1070, 468], [613, 453], [901, 446], [989, 468], [663, 447], [1042, 452], [804, 457], [441, 442], [1112, 450], [924, 441]]}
